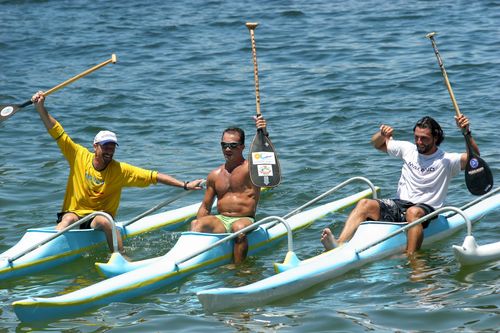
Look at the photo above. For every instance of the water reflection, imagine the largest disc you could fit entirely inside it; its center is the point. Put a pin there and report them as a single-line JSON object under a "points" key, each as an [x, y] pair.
{"points": [[478, 273], [262, 320], [420, 270]]}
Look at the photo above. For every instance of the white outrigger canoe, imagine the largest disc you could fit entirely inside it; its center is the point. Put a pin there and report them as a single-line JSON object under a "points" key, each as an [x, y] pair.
{"points": [[43, 248], [193, 252], [372, 241]]}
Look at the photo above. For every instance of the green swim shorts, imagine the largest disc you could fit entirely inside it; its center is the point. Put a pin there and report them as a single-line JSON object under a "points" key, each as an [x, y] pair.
{"points": [[229, 220]]}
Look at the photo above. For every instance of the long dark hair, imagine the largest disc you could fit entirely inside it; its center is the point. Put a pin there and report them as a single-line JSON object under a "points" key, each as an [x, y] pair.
{"points": [[430, 123]]}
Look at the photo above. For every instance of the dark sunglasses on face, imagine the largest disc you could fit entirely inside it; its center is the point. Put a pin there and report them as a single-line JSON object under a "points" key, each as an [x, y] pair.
{"points": [[230, 145]]}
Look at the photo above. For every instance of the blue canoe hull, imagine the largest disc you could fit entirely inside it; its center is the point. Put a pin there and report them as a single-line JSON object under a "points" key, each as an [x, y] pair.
{"points": [[73, 243]]}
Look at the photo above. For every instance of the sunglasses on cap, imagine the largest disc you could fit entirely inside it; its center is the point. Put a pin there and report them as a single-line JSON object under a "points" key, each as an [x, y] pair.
{"points": [[230, 145]]}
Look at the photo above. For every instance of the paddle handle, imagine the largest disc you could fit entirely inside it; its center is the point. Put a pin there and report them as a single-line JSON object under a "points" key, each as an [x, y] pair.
{"points": [[251, 27], [79, 76], [443, 71]]}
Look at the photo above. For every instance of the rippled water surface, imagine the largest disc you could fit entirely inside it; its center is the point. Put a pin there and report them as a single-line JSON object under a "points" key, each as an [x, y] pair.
{"points": [[330, 73]]}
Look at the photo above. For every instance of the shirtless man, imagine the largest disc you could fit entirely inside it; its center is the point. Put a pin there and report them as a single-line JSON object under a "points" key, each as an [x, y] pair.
{"points": [[237, 197]]}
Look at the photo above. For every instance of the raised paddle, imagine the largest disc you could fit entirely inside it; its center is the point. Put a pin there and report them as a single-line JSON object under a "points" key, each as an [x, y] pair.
{"points": [[7, 111], [263, 160], [478, 176]]}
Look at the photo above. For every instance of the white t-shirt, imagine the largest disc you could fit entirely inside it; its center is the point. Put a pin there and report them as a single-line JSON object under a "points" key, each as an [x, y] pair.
{"points": [[424, 178]]}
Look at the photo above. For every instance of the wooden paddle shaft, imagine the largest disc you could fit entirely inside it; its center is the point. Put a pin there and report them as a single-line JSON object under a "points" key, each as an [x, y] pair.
{"points": [[443, 71], [251, 27], [76, 77]]}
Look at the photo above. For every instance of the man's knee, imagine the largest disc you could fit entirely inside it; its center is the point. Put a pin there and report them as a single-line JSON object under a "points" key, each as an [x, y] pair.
{"points": [[201, 224], [195, 224], [366, 204], [66, 220], [240, 224], [207, 223], [100, 222], [414, 213], [369, 207], [61, 225]]}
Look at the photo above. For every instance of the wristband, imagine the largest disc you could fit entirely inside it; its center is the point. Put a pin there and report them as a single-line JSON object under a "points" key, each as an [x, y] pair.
{"points": [[468, 133], [185, 185]]}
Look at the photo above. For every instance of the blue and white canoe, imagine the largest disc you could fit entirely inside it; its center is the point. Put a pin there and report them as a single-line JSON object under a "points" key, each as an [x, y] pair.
{"points": [[71, 244], [372, 241], [173, 266]]}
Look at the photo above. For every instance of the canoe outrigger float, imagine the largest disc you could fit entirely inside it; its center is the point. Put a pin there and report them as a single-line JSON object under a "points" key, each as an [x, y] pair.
{"points": [[43, 248], [373, 240], [470, 253], [193, 252]]}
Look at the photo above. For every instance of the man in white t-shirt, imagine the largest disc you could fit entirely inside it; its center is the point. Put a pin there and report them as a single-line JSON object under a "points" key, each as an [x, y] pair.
{"points": [[423, 185]]}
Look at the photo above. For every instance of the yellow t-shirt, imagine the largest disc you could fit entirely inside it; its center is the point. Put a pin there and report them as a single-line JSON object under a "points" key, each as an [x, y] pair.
{"points": [[89, 190]]}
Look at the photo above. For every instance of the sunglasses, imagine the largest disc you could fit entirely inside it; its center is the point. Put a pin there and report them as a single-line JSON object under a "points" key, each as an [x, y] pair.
{"points": [[230, 145]]}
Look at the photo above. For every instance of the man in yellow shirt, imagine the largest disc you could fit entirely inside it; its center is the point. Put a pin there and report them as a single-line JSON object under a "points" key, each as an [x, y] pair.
{"points": [[96, 180]]}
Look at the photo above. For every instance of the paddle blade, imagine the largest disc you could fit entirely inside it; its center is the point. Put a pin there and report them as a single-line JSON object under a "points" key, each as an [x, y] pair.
{"points": [[263, 162], [478, 176], [7, 111]]}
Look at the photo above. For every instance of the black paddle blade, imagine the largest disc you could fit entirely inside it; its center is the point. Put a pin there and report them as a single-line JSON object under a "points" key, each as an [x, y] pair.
{"points": [[7, 111], [478, 176], [263, 162]]}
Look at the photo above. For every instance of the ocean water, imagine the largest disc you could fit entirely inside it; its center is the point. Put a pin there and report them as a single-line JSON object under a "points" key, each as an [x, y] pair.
{"points": [[330, 74]]}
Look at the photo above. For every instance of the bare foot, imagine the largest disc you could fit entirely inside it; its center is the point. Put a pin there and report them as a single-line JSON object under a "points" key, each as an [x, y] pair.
{"points": [[328, 240]]}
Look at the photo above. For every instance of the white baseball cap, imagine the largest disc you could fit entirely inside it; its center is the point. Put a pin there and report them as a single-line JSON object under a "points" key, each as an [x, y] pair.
{"points": [[104, 137]]}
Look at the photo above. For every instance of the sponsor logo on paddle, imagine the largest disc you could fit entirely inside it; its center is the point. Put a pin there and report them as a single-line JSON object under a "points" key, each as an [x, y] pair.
{"points": [[6, 111], [473, 172], [474, 163], [265, 170], [263, 157]]}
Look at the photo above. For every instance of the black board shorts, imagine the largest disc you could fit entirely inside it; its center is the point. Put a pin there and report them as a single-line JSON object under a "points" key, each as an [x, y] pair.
{"points": [[84, 225], [394, 210]]}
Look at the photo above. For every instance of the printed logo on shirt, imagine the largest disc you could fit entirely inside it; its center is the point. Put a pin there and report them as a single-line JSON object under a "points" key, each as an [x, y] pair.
{"points": [[418, 168], [93, 179]]}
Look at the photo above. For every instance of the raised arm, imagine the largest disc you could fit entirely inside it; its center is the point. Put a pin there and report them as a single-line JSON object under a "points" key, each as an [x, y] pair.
{"points": [[380, 138], [39, 101]]}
